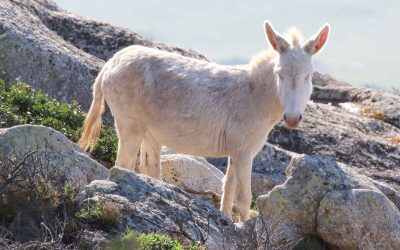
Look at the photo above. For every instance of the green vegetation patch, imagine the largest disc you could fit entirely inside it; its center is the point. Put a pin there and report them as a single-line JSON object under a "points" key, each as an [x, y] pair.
{"points": [[134, 240], [253, 205], [21, 104]]}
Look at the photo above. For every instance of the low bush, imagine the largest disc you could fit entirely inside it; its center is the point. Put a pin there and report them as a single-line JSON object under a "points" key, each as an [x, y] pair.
{"points": [[21, 104], [133, 240]]}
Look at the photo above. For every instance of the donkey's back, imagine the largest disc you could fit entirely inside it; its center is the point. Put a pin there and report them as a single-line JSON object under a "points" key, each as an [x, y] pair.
{"points": [[185, 103], [152, 69]]}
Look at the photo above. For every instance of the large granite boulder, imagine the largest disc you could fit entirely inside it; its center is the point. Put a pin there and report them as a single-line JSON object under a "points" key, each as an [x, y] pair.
{"points": [[149, 205], [59, 52], [192, 174], [359, 219], [52, 151], [35, 54], [315, 193]]}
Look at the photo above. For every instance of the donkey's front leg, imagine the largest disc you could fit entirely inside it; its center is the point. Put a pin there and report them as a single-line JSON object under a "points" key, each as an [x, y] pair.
{"points": [[243, 187], [229, 188], [237, 186]]}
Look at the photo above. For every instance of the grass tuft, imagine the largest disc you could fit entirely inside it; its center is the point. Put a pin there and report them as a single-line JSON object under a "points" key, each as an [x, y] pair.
{"points": [[394, 139], [371, 113], [104, 213]]}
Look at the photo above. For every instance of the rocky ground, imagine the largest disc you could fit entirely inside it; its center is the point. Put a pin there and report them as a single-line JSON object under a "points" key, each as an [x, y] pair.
{"points": [[335, 180]]}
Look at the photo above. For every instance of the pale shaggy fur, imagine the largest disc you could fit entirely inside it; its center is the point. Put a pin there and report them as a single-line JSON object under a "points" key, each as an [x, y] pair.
{"points": [[200, 108]]}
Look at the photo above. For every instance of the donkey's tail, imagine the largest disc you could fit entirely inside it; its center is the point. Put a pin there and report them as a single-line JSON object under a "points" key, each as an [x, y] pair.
{"points": [[92, 125]]}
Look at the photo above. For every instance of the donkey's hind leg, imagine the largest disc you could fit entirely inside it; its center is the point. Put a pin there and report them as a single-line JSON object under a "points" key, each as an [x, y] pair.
{"points": [[127, 153], [128, 146], [150, 154]]}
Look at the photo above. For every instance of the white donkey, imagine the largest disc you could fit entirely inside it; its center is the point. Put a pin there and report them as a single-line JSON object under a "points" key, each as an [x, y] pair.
{"points": [[202, 108]]}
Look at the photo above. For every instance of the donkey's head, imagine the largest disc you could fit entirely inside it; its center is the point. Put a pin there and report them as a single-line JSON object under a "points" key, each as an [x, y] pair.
{"points": [[294, 70]]}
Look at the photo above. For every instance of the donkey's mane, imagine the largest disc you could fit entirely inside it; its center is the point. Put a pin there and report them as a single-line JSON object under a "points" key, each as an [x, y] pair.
{"points": [[263, 58], [293, 36]]}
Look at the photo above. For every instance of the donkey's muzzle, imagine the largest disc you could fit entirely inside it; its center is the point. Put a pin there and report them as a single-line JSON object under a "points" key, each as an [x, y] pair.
{"points": [[292, 121]]}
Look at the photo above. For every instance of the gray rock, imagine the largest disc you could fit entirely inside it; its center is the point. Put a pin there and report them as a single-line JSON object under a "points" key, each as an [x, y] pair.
{"points": [[53, 150], [294, 205], [192, 174], [269, 169], [357, 141], [389, 192], [359, 219], [93, 239], [35, 54], [152, 206], [97, 38], [328, 89], [322, 80], [58, 52]]}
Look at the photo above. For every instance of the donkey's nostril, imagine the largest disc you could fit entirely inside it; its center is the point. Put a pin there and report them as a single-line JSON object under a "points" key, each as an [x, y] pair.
{"points": [[284, 117], [300, 118]]}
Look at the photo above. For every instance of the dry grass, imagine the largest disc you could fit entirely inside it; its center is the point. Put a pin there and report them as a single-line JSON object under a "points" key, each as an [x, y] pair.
{"points": [[102, 212], [371, 113], [394, 139], [35, 205]]}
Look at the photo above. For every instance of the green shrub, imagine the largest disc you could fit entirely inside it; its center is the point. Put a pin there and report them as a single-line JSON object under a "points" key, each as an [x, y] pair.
{"points": [[130, 241], [29, 106], [133, 241], [253, 205], [21, 104], [156, 241], [106, 147]]}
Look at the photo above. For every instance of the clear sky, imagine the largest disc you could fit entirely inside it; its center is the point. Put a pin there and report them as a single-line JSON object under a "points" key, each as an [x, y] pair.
{"points": [[363, 47]]}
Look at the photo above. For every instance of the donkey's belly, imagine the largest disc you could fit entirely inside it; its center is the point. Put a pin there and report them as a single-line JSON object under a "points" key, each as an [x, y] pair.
{"points": [[185, 142]]}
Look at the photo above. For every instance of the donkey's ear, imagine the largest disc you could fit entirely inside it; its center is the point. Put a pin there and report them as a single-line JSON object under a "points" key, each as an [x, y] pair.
{"points": [[317, 42], [277, 42]]}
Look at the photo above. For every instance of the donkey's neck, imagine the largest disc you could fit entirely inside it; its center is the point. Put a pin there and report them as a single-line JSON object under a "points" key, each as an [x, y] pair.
{"points": [[264, 82]]}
